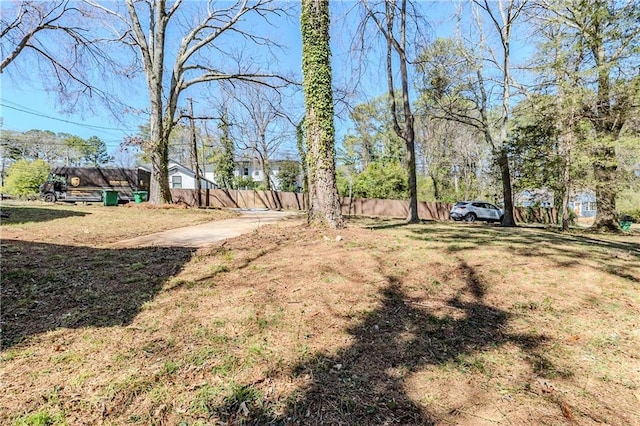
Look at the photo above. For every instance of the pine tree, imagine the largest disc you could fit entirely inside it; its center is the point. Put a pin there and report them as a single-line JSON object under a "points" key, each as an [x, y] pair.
{"points": [[606, 37]]}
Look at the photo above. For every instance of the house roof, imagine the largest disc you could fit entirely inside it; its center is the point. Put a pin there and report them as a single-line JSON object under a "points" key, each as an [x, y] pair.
{"points": [[173, 165], [253, 160]]}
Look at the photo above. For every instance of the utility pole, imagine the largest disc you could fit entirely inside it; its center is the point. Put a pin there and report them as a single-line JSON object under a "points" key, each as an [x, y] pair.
{"points": [[4, 162], [194, 153]]}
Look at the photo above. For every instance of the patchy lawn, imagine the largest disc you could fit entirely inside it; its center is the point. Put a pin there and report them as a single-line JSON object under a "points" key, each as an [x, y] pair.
{"points": [[465, 324], [95, 224]]}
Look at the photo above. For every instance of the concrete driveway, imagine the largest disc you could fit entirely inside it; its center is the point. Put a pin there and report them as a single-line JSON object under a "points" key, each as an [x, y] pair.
{"points": [[211, 232]]}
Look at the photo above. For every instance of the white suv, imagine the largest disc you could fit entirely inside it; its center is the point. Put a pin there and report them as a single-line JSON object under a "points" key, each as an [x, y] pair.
{"points": [[476, 210]]}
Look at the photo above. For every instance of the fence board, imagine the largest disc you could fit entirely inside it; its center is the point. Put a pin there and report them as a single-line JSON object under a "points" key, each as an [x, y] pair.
{"points": [[247, 199]]}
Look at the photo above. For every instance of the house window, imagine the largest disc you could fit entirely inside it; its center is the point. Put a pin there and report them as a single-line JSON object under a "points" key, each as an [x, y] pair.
{"points": [[592, 206], [246, 171], [176, 181], [256, 172]]}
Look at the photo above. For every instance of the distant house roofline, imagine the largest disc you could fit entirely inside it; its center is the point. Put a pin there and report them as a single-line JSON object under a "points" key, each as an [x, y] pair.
{"points": [[253, 160], [173, 165]]}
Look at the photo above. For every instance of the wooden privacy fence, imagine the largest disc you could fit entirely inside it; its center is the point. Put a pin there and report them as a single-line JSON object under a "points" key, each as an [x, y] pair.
{"points": [[393, 208], [276, 200], [241, 199], [536, 215]]}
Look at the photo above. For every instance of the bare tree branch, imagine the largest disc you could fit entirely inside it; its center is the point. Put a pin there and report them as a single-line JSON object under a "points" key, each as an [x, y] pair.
{"points": [[43, 19], [63, 40], [197, 29]]}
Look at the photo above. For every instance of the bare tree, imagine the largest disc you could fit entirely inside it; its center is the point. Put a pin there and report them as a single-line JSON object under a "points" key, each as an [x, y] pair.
{"points": [[450, 153], [199, 57], [502, 18], [392, 25], [126, 157], [24, 26], [260, 128], [465, 90], [61, 40]]}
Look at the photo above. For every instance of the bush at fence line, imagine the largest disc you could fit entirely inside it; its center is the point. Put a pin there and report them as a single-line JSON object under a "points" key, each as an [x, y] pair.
{"points": [[24, 178]]}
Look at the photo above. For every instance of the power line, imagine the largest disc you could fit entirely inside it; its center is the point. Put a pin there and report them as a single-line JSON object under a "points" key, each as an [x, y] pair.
{"points": [[50, 143], [39, 114]]}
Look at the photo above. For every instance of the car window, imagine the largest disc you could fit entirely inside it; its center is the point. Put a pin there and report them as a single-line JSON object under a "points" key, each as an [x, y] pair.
{"points": [[479, 205], [460, 204]]}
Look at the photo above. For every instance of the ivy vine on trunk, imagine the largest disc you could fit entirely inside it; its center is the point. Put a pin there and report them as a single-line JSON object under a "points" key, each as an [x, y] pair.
{"points": [[324, 204]]}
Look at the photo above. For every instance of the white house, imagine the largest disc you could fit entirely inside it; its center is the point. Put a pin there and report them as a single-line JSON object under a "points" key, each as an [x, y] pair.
{"points": [[252, 169], [181, 177]]}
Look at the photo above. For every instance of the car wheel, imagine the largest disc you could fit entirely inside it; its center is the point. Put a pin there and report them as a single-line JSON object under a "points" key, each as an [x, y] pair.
{"points": [[50, 197], [470, 217]]}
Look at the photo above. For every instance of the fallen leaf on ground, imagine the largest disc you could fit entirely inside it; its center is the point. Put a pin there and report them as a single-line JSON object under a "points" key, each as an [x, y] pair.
{"points": [[566, 411]]}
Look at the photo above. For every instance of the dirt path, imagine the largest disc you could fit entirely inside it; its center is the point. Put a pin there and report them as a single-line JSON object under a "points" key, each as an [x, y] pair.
{"points": [[208, 233]]}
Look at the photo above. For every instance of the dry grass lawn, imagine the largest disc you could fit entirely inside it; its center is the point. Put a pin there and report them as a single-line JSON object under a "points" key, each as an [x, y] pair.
{"points": [[377, 324]]}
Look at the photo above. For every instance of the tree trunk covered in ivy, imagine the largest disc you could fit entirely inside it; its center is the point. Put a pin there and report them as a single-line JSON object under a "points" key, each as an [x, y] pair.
{"points": [[324, 204]]}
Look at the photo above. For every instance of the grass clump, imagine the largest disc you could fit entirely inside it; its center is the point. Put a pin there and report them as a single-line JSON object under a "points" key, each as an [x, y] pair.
{"points": [[41, 418]]}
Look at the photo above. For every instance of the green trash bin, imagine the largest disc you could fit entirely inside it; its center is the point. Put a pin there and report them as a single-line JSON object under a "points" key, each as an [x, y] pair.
{"points": [[140, 196], [625, 225], [110, 198]]}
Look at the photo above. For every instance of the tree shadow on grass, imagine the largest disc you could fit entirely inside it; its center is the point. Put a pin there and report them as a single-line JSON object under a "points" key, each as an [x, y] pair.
{"points": [[365, 384], [564, 249], [378, 223], [482, 235], [46, 286], [22, 215]]}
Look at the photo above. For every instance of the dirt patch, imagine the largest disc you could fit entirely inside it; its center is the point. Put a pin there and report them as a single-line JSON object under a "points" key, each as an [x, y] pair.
{"points": [[375, 324]]}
